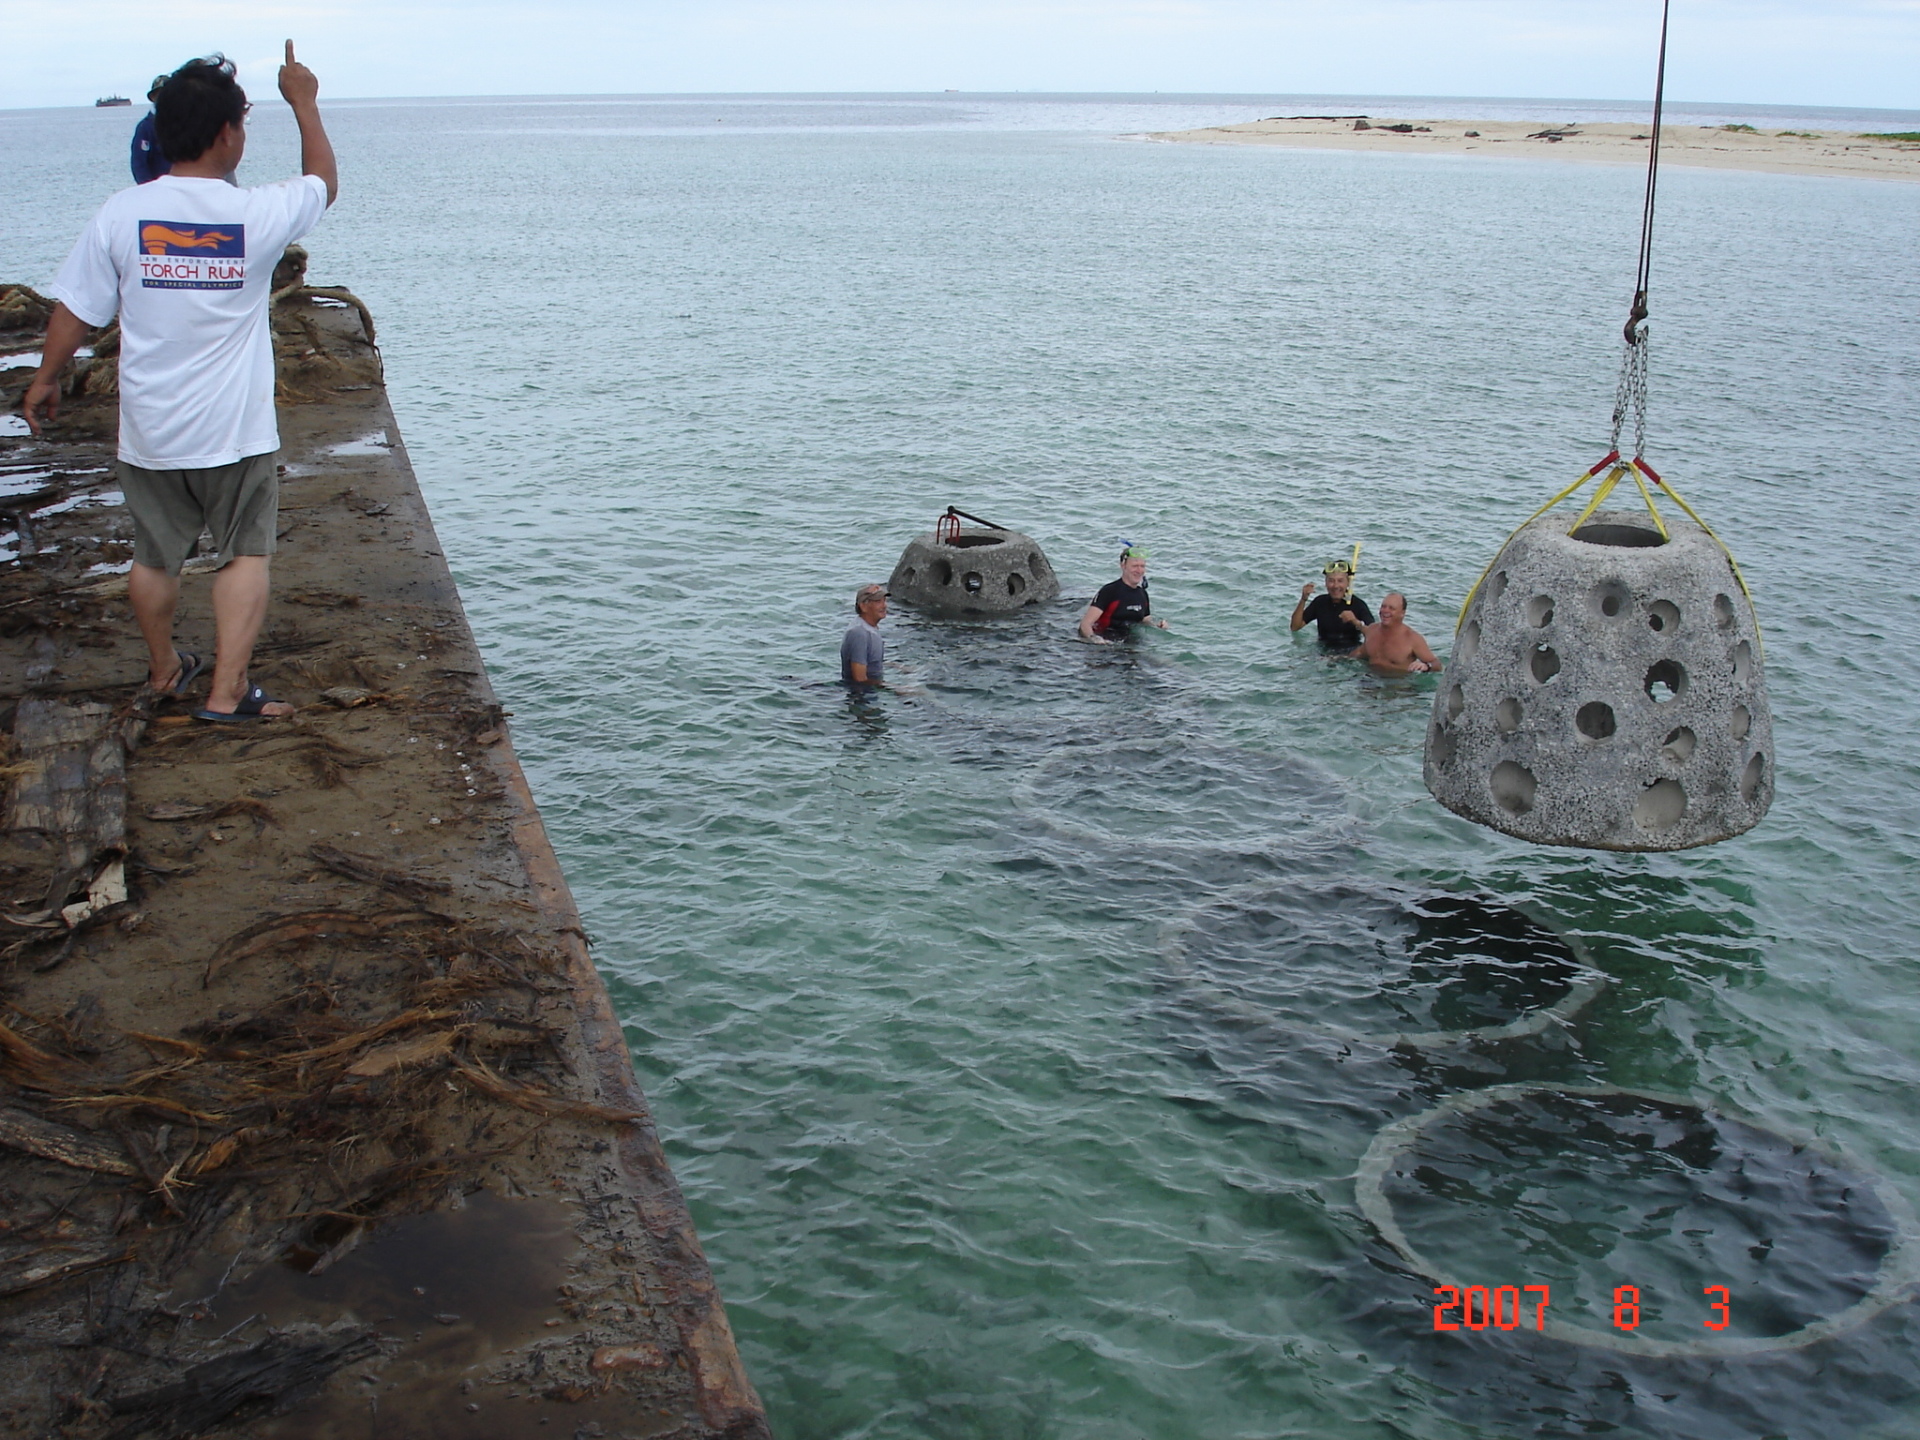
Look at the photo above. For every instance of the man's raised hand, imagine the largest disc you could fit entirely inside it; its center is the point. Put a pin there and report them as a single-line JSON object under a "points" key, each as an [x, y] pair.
{"points": [[298, 84]]}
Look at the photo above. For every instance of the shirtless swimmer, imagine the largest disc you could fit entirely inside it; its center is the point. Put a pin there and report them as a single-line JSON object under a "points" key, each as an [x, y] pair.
{"points": [[1394, 647]]}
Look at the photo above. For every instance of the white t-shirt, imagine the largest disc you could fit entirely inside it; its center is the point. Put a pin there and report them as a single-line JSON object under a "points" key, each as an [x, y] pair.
{"points": [[188, 265]]}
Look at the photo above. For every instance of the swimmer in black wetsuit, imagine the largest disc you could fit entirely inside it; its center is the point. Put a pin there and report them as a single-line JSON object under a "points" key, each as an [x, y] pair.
{"points": [[1121, 604], [1341, 615]]}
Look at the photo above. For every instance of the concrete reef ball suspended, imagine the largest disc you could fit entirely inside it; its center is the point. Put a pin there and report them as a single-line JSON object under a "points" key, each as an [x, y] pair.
{"points": [[1606, 691], [973, 572]]}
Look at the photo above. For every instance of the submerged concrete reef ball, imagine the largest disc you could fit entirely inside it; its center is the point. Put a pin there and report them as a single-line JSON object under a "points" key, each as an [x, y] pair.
{"points": [[977, 572], [1606, 691], [1699, 1169], [1376, 965]]}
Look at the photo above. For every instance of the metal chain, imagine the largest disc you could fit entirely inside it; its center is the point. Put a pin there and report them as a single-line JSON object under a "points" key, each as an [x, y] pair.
{"points": [[1631, 393]]}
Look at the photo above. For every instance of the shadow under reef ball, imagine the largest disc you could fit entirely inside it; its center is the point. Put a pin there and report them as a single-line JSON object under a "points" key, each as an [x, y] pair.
{"points": [[1672, 1230], [1381, 966]]}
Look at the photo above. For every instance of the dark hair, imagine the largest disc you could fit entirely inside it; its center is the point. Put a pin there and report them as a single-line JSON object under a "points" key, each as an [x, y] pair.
{"points": [[199, 100]]}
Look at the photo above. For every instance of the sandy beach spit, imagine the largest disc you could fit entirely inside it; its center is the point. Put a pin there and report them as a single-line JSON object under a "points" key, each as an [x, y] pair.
{"points": [[1789, 152]]}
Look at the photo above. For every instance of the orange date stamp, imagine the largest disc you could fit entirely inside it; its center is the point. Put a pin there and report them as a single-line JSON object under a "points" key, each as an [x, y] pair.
{"points": [[1504, 1307]]}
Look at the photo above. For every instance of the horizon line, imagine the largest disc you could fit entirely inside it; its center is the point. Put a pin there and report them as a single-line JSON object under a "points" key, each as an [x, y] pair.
{"points": [[1064, 95]]}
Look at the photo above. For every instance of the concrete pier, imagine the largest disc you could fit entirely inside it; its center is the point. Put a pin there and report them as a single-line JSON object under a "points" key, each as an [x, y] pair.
{"points": [[315, 1117]]}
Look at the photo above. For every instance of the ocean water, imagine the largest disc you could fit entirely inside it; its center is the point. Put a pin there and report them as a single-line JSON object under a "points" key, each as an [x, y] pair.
{"points": [[1019, 1042]]}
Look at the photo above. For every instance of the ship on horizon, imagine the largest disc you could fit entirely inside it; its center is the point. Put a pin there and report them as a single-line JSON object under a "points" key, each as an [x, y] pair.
{"points": [[110, 100]]}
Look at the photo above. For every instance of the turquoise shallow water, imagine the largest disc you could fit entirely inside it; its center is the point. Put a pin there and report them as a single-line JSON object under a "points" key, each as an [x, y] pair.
{"points": [[981, 1140]]}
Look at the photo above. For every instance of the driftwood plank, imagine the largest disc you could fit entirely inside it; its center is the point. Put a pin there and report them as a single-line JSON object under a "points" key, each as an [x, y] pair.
{"points": [[73, 784], [25, 1131], [44, 1268]]}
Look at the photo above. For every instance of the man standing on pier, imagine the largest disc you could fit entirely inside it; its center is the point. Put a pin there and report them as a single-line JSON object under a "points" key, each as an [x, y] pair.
{"points": [[187, 260]]}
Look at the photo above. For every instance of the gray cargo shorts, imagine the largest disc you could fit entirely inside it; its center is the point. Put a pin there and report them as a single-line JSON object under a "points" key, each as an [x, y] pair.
{"points": [[238, 504]]}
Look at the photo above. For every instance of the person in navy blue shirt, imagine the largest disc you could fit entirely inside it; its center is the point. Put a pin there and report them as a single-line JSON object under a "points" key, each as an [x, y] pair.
{"points": [[149, 161]]}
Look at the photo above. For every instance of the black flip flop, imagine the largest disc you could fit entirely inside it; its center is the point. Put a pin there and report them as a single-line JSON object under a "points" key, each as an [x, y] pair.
{"points": [[250, 708], [190, 667]]}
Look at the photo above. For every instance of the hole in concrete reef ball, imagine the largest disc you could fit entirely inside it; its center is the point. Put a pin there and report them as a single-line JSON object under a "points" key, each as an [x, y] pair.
{"points": [[943, 571], [1037, 563], [1629, 537], [1740, 723], [1497, 586], [1595, 720], [1513, 786], [1545, 663], [972, 582], [1742, 663], [1752, 778], [1440, 746], [1678, 746], [1540, 611], [1016, 582], [972, 542], [1507, 715], [908, 574], [1723, 611], [1456, 702], [1663, 615], [1666, 680], [1610, 597], [1467, 643], [1660, 806]]}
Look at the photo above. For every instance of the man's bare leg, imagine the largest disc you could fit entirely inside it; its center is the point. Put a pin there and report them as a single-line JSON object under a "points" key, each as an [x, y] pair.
{"points": [[239, 609], [155, 594]]}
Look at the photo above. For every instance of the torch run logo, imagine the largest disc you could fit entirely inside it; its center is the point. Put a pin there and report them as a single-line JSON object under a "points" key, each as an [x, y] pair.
{"points": [[178, 256]]}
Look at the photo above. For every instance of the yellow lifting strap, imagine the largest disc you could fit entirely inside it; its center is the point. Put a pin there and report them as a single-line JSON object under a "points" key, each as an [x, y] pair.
{"points": [[1620, 469]]}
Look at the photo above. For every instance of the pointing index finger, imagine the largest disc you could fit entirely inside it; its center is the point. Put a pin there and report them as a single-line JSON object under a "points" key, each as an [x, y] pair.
{"points": [[290, 59]]}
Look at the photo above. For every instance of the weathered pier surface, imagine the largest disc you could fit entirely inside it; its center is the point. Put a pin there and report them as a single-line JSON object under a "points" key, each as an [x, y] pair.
{"points": [[315, 1118]]}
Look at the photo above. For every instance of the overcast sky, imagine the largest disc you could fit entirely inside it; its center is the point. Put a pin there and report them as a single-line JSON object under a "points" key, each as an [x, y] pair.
{"points": [[1799, 52]]}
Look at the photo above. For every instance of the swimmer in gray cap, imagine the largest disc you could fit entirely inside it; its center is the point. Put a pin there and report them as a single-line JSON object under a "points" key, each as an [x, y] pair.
{"points": [[863, 654]]}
